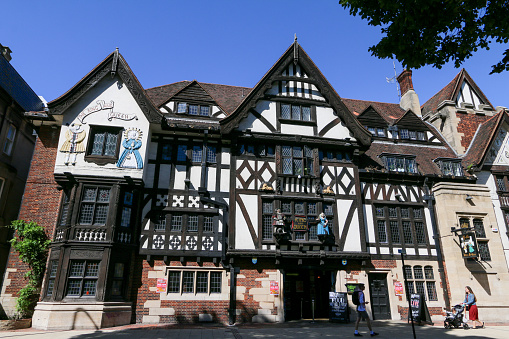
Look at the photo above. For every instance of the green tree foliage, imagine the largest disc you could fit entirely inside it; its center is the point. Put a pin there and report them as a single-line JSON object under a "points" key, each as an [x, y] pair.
{"points": [[434, 32], [32, 244]]}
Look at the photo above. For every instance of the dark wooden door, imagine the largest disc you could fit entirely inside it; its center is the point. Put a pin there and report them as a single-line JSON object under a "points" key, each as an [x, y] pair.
{"points": [[379, 293]]}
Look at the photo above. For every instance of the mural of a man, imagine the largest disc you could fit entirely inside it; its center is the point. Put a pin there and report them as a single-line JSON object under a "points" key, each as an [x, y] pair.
{"points": [[73, 143]]}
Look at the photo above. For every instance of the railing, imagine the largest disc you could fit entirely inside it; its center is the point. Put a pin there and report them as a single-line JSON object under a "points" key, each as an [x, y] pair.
{"points": [[504, 200], [90, 234], [124, 237]]}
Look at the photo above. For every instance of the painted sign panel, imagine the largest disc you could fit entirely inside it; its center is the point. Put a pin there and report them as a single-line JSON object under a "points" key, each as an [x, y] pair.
{"points": [[300, 223], [338, 306], [274, 288], [161, 286], [398, 288]]}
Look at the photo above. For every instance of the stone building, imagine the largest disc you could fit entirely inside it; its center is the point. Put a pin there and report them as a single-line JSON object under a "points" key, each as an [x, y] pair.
{"points": [[17, 143], [202, 202]]}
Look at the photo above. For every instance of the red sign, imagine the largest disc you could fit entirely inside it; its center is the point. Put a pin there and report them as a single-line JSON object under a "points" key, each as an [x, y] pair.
{"points": [[274, 288], [398, 288], [161, 286]]}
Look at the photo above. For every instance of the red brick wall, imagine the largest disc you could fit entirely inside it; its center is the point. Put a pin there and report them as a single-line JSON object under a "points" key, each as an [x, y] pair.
{"points": [[248, 306], [467, 125], [384, 263], [403, 311], [41, 198]]}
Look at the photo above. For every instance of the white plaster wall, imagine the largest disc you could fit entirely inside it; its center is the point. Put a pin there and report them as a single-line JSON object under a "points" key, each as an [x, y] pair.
{"points": [[370, 225], [195, 177], [211, 179], [180, 176], [429, 228], [107, 89], [243, 238], [324, 115], [267, 109], [293, 129], [164, 176], [225, 156], [225, 180]]}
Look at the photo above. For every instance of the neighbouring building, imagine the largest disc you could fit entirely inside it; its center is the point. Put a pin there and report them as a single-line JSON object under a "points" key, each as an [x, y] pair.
{"points": [[17, 141], [202, 202]]}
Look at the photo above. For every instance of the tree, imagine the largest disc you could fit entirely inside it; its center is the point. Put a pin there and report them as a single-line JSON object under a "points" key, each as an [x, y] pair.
{"points": [[32, 244], [434, 32]]}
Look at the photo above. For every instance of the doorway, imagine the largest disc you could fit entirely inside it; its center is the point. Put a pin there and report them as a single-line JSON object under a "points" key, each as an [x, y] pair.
{"points": [[301, 287], [379, 293]]}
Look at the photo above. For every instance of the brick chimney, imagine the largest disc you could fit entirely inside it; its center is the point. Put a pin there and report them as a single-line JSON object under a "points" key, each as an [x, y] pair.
{"points": [[409, 99]]}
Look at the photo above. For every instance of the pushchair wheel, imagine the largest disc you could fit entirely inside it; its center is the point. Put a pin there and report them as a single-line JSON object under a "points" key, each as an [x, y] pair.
{"points": [[465, 326]]}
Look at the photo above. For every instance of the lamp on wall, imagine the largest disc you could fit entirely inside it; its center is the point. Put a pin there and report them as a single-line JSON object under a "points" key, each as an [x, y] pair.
{"points": [[469, 197]]}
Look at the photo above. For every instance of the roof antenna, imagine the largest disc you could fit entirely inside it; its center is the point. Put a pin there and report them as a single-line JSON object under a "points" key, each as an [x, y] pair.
{"points": [[393, 80], [295, 51]]}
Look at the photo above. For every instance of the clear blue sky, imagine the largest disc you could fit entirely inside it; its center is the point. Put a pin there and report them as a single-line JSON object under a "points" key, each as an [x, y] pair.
{"points": [[55, 43]]}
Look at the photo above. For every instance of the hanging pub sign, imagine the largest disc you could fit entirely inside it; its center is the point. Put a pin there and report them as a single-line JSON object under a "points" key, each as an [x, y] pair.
{"points": [[468, 241], [468, 245], [300, 223]]}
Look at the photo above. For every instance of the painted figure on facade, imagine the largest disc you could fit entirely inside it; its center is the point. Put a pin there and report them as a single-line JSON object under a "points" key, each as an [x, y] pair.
{"points": [[73, 143], [278, 221], [323, 225], [131, 157]]}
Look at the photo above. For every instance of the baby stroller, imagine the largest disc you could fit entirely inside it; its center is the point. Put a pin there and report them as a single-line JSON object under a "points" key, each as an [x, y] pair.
{"points": [[455, 318]]}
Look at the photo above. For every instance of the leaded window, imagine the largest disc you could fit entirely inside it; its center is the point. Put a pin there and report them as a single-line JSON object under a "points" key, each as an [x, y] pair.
{"points": [[94, 205], [399, 163], [104, 142], [159, 221], [208, 224], [295, 112], [394, 232], [382, 231], [202, 279], [420, 233], [421, 281], [197, 153], [267, 228], [407, 232], [194, 281], [192, 223], [211, 154], [297, 160], [173, 282], [176, 223], [52, 269], [182, 153], [405, 224], [82, 278], [479, 228], [450, 167], [188, 282], [484, 251], [193, 109]]}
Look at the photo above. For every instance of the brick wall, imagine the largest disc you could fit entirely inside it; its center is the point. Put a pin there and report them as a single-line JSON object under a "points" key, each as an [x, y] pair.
{"points": [[40, 202], [384, 263], [467, 125]]}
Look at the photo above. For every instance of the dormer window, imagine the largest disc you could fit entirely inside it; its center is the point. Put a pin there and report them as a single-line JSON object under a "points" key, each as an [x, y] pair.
{"points": [[193, 109], [450, 167], [407, 134], [377, 132], [295, 112], [400, 163]]}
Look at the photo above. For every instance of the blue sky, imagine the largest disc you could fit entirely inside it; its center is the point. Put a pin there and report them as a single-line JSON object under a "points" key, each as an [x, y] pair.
{"points": [[55, 43]]}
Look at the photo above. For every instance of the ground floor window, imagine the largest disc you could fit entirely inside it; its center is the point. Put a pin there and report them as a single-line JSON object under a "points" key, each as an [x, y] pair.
{"points": [[82, 278], [421, 281], [194, 282]]}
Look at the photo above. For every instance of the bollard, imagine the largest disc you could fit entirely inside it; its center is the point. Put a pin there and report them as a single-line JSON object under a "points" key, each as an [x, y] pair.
{"points": [[313, 308]]}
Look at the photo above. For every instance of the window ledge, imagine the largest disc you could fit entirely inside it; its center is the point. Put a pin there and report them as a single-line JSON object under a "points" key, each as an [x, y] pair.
{"points": [[100, 159], [297, 122]]}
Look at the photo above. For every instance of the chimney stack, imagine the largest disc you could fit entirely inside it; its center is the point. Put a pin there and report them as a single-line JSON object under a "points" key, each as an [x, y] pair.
{"points": [[409, 99]]}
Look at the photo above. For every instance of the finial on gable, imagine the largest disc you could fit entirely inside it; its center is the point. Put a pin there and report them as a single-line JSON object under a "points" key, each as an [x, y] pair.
{"points": [[295, 51], [114, 64]]}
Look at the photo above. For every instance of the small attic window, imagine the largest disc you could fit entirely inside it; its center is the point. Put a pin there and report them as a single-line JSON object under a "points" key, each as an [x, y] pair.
{"points": [[295, 112], [450, 167], [399, 163], [376, 131], [193, 109]]}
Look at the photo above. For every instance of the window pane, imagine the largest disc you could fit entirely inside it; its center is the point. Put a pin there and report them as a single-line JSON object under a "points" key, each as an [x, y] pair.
{"points": [[381, 132], [267, 227], [312, 208], [306, 113], [101, 212], [407, 232], [211, 154], [182, 107], [419, 286], [428, 272], [90, 194], [53, 269], [202, 282], [193, 109], [287, 166], [313, 235], [104, 195], [204, 111], [51, 285], [173, 282], [89, 287], [412, 135], [421, 136], [417, 213], [298, 167], [286, 207], [484, 251], [296, 113], [394, 232], [208, 224], [97, 148], [285, 111], [267, 207], [77, 269], [176, 223], [393, 212], [300, 236], [73, 287], [192, 223], [418, 272], [327, 209], [159, 222], [372, 130], [197, 153], [420, 232], [403, 133], [408, 272], [382, 232], [188, 282], [297, 152], [380, 211], [110, 148], [432, 291], [287, 151], [299, 208], [479, 228], [410, 287], [182, 153], [92, 269], [166, 152], [404, 212], [215, 282]]}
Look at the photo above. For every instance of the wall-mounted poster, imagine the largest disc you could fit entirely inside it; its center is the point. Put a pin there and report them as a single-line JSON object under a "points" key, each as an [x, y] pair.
{"points": [[161, 286], [274, 288], [398, 288]]}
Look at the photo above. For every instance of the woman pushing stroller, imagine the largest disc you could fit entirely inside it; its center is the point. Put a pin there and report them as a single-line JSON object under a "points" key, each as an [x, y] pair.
{"points": [[470, 303]]}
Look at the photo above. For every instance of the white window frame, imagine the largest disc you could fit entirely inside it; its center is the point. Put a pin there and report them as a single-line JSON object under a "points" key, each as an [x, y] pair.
{"points": [[9, 140]]}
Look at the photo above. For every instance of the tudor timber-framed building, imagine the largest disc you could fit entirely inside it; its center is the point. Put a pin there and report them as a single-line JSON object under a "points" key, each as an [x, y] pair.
{"points": [[169, 196]]}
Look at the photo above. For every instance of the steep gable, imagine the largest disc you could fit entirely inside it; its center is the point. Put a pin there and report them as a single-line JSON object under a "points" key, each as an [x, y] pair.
{"points": [[296, 77], [411, 121], [113, 65], [370, 117]]}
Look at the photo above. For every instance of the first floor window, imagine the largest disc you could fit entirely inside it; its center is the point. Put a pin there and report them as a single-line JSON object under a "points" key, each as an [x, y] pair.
{"points": [[53, 265], [194, 282], [9, 139], [295, 112], [94, 205], [297, 160], [104, 141], [82, 278], [400, 224], [118, 279]]}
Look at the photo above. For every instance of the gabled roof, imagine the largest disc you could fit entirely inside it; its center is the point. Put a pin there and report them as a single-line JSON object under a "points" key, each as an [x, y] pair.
{"points": [[486, 133], [450, 92], [389, 112], [295, 53], [113, 64], [17, 88], [411, 121], [226, 97], [370, 117]]}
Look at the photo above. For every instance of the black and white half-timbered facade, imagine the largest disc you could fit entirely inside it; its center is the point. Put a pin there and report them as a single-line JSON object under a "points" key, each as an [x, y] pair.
{"points": [[203, 202]]}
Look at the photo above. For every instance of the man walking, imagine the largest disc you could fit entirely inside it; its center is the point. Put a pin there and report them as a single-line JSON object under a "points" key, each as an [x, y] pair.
{"points": [[361, 311]]}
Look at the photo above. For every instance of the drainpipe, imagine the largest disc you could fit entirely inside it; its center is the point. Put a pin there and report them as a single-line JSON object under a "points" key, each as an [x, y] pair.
{"points": [[233, 296], [430, 198]]}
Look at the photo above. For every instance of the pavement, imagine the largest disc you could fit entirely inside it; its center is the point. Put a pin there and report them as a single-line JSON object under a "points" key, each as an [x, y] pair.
{"points": [[302, 329]]}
